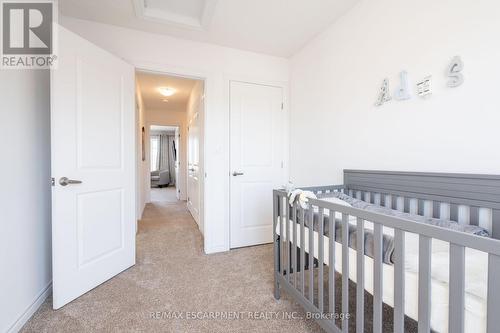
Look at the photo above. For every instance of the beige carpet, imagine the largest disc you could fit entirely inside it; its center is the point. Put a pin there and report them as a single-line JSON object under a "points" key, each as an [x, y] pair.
{"points": [[173, 274], [164, 194]]}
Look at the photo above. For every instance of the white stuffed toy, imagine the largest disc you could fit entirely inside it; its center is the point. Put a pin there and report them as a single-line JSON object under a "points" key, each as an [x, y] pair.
{"points": [[302, 196]]}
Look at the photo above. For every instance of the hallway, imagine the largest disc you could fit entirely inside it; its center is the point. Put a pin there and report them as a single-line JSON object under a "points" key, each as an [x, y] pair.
{"points": [[164, 194], [173, 275]]}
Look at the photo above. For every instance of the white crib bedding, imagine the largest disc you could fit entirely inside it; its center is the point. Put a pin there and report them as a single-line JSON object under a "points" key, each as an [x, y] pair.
{"points": [[476, 264]]}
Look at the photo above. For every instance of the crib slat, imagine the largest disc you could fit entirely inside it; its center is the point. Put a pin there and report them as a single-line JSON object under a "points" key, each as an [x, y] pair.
{"points": [[276, 214], [457, 286], [276, 217], [436, 209], [320, 259], [287, 240], [424, 285], [311, 254], [394, 202], [421, 207], [360, 278], [283, 208], [345, 272], [406, 208], [377, 278], [495, 227], [474, 215], [294, 246], [454, 212], [493, 321], [399, 281], [331, 263], [302, 251]]}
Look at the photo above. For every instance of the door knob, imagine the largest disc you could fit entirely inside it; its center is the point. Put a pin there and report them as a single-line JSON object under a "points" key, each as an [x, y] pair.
{"points": [[64, 181], [236, 173]]}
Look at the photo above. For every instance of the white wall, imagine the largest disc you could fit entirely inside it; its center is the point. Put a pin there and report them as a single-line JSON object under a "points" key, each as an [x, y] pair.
{"points": [[25, 215], [214, 63], [168, 118], [335, 81]]}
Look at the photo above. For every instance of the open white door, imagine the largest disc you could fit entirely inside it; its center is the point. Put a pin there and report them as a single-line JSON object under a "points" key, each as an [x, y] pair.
{"points": [[193, 186], [93, 140], [177, 159], [256, 160]]}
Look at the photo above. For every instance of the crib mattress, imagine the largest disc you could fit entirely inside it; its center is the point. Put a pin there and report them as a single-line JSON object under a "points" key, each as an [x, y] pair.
{"points": [[476, 264]]}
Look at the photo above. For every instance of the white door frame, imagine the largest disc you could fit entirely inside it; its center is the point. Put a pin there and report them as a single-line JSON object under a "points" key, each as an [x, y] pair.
{"points": [[286, 134], [147, 126], [208, 79], [212, 82]]}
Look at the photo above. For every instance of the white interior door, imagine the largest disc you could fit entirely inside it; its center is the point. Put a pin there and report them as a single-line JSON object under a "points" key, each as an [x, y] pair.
{"points": [[177, 159], [256, 160], [93, 140], [193, 193]]}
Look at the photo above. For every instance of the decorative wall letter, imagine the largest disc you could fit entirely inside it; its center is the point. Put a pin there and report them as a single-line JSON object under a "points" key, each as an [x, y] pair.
{"points": [[424, 87], [384, 95], [456, 78], [403, 92]]}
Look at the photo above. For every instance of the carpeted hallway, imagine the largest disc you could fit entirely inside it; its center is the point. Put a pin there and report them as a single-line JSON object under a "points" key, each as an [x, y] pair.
{"points": [[164, 194], [173, 274]]}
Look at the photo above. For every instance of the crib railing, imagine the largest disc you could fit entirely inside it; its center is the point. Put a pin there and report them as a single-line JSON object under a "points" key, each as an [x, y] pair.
{"points": [[465, 198], [294, 264]]}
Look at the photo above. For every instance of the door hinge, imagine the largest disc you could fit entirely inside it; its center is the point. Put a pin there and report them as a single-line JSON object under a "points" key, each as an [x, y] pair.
{"points": [[282, 106], [282, 164], [53, 181]]}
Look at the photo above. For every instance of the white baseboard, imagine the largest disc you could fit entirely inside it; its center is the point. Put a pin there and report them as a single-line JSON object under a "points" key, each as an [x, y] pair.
{"points": [[31, 309], [216, 249]]}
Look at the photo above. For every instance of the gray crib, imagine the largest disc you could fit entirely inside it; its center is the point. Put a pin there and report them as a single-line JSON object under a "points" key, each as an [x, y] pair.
{"points": [[300, 270]]}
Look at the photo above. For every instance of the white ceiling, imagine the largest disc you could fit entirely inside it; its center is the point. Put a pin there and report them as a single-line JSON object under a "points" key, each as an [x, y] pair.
{"points": [[160, 128], [153, 100], [275, 27], [183, 7], [157, 129]]}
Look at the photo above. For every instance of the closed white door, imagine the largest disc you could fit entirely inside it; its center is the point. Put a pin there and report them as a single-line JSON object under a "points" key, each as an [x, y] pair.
{"points": [[93, 165], [256, 113], [193, 193]]}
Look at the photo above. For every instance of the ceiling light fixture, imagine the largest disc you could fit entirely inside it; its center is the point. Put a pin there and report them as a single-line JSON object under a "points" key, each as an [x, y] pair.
{"points": [[166, 91]]}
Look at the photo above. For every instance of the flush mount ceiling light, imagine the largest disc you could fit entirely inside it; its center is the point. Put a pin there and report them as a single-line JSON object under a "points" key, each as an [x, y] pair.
{"points": [[166, 91]]}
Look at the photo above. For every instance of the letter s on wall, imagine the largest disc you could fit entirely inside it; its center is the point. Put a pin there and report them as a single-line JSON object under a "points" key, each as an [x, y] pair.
{"points": [[454, 72]]}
